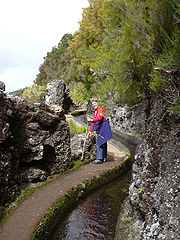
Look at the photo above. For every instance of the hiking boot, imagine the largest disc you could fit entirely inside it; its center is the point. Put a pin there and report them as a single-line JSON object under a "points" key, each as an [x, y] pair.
{"points": [[97, 161]]}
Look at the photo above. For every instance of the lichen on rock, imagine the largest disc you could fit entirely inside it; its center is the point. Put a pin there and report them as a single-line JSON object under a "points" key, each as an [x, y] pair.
{"points": [[156, 171]]}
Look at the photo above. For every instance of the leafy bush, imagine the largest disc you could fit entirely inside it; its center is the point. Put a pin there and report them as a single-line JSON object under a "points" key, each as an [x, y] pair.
{"points": [[74, 129], [18, 92], [35, 93], [78, 92]]}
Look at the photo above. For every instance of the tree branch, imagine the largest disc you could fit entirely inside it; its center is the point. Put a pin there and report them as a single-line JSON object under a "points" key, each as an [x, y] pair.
{"points": [[170, 71]]}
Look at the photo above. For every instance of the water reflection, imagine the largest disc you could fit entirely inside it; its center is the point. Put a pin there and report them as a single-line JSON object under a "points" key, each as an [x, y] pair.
{"points": [[96, 217]]}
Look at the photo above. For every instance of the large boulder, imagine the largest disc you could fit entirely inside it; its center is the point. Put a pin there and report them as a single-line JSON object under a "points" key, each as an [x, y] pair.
{"points": [[33, 136], [58, 94], [8, 155]]}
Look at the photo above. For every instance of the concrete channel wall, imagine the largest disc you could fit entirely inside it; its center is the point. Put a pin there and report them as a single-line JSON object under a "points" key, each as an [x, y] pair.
{"points": [[65, 204]]}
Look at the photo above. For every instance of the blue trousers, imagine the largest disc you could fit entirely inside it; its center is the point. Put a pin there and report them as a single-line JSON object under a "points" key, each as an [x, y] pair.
{"points": [[101, 151]]}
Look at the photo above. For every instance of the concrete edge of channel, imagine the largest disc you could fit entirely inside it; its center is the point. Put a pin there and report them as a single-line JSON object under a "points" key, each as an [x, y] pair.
{"points": [[64, 205]]}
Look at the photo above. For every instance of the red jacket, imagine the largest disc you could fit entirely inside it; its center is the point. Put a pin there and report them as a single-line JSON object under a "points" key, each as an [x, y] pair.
{"points": [[99, 113]]}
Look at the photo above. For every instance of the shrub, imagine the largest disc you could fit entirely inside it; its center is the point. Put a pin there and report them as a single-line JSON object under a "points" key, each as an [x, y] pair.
{"points": [[74, 129]]}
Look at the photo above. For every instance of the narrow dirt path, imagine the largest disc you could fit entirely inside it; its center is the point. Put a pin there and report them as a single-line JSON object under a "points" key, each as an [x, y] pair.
{"points": [[22, 221]]}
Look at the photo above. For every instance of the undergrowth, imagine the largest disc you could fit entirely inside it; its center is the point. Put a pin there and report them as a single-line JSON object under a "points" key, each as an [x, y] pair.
{"points": [[74, 128]]}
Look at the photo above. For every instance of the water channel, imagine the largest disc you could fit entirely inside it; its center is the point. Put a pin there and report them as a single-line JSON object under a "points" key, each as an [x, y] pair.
{"points": [[96, 217]]}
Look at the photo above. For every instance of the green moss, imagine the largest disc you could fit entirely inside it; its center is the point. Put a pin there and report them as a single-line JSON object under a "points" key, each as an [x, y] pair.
{"points": [[66, 203], [124, 190], [125, 214], [77, 164]]}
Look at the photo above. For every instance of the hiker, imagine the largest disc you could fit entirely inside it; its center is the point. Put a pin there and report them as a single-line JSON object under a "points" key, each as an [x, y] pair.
{"points": [[100, 124]]}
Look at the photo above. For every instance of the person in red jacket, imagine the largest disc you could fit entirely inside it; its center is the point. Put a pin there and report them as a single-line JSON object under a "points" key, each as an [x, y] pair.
{"points": [[99, 116]]}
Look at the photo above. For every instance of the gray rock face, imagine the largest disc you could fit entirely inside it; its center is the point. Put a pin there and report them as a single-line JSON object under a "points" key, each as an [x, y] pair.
{"points": [[2, 86], [58, 94], [33, 174], [77, 143], [128, 119], [32, 136], [154, 190]]}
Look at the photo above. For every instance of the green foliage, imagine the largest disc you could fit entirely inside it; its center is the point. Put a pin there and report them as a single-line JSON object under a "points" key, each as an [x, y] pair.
{"points": [[122, 61], [124, 215], [78, 92], [124, 190], [118, 65], [167, 61], [140, 190], [117, 50], [74, 129], [56, 63], [87, 39], [175, 108], [165, 79], [35, 93], [19, 92]]}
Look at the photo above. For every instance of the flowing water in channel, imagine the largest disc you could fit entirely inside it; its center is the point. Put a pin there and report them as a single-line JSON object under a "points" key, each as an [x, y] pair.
{"points": [[96, 216]]}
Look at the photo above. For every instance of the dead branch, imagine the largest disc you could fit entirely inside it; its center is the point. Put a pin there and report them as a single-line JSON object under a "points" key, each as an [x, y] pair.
{"points": [[169, 71]]}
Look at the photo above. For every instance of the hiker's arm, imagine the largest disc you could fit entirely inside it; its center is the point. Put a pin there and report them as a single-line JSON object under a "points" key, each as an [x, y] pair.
{"points": [[99, 115], [91, 128]]}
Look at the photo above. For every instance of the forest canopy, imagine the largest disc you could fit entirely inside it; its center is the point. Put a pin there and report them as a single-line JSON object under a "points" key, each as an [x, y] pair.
{"points": [[123, 51]]}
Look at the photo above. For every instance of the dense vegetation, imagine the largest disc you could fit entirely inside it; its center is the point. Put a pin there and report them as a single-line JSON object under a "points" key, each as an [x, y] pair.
{"points": [[123, 51]]}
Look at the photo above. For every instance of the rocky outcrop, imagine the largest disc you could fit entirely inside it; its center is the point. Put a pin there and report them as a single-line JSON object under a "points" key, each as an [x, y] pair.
{"points": [[2, 86], [154, 196], [34, 143], [154, 191], [78, 142], [58, 94], [131, 119]]}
